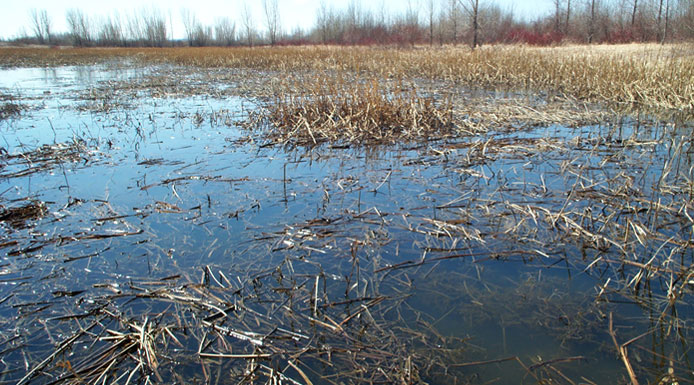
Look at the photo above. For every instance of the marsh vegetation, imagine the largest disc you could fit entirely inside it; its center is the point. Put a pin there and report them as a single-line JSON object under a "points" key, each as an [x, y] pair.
{"points": [[323, 215]]}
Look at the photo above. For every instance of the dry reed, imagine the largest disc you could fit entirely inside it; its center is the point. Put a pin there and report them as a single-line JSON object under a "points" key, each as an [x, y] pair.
{"points": [[631, 76], [336, 111]]}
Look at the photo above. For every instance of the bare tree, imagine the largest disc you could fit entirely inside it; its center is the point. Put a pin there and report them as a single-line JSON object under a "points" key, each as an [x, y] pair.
{"points": [[453, 16], [557, 14], [662, 32], [189, 24], [322, 21], [431, 14], [248, 25], [472, 7], [111, 31], [225, 31], [79, 27], [412, 23], [403, 29], [329, 29], [196, 34], [685, 18], [441, 26], [562, 16], [591, 21], [382, 16], [272, 18], [352, 22], [147, 27], [135, 29], [662, 20], [633, 13], [660, 17], [41, 25], [155, 27]]}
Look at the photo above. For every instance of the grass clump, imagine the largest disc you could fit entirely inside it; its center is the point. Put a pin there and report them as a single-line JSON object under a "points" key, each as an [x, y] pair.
{"points": [[339, 112]]}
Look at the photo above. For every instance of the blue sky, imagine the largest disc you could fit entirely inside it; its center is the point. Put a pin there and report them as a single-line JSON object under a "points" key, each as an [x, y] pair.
{"points": [[14, 17]]}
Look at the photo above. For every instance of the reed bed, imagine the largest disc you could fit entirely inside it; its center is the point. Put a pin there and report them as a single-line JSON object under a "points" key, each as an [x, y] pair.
{"points": [[629, 76], [341, 113]]}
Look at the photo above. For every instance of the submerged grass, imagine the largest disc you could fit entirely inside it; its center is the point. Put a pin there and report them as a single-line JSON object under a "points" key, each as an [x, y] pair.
{"points": [[18, 216], [9, 109]]}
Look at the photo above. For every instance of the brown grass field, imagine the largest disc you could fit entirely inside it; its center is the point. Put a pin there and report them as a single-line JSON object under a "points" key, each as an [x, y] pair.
{"points": [[633, 76]]}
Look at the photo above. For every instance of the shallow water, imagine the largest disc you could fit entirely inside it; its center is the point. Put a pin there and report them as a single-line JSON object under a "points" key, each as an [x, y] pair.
{"points": [[481, 282]]}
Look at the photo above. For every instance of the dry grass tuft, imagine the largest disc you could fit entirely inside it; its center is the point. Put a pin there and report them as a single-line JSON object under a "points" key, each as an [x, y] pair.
{"points": [[332, 110]]}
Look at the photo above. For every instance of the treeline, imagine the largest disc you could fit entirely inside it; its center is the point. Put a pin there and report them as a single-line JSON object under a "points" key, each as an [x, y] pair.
{"points": [[147, 28], [472, 22]]}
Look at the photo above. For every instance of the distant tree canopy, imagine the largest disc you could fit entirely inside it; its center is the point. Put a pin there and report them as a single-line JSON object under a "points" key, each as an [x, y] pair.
{"points": [[471, 22]]}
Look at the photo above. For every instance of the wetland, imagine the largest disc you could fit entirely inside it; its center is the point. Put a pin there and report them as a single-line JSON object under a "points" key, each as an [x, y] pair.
{"points": [[347, 215]]}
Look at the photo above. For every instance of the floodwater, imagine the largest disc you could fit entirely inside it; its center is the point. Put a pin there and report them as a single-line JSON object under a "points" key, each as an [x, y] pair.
{"points": [[521, 256]]}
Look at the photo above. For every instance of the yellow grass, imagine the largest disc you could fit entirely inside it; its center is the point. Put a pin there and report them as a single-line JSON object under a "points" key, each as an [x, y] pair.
{"points": [[632, 76], [336, 110]]}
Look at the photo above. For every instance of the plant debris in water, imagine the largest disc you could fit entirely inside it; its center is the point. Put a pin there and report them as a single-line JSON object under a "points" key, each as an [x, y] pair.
{"points": [[18, 216], [43, 158], [9, 109]]}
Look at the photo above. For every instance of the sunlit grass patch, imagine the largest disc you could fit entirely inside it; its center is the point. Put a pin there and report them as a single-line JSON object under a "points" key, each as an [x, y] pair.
{"points": [[336, 111], [634, 76]]}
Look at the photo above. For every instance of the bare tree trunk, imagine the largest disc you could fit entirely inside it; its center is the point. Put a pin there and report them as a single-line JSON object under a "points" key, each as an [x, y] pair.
{"points": [[111, 33], [224, 32], [36, 25], [557, 15], [442, 30], [322, 22], [686, 19], [475, 24], [247, 19], [633, 14], [272, 18], [189, 23], [667, 21], [155, 27], [412, 29], [431, 11], [659, 34], [472, 7], [453, 19], [568, 16], [591, 22]]}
